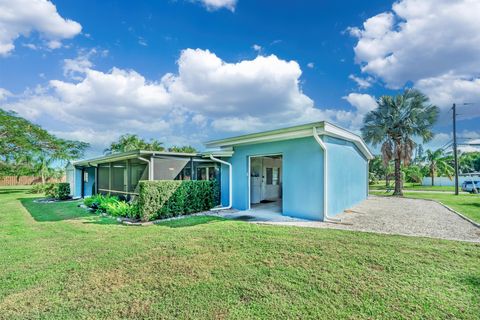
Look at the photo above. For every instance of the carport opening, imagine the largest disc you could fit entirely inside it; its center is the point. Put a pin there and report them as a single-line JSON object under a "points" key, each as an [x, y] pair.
{"points": [[266, 183]]}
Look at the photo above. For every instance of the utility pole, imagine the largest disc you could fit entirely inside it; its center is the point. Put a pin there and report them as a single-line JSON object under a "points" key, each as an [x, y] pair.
{"points": [[455, 157]]}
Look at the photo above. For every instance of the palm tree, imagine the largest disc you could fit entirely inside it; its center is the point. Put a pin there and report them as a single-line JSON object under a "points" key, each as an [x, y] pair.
{"points": [[43, 166], [131, 142], [438, 163], [394, 124]]}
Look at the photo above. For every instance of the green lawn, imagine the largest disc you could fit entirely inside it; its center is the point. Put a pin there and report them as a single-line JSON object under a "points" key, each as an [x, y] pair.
{"points": [[58, 262], [411, 186], [465, 203]]}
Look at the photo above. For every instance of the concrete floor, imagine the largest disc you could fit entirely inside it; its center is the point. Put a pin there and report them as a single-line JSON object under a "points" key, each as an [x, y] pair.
{"points": [[261, 212]]}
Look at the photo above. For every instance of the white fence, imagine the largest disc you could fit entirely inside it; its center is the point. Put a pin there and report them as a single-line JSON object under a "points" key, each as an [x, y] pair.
{"points": [[444, 181]]}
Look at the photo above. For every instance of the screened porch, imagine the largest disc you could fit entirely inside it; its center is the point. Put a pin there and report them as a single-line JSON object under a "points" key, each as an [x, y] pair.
{"points": [[122, 177]]}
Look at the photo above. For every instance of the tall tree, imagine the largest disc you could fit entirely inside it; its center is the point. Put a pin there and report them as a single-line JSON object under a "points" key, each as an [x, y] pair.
{"points": [[182, 149], [469, 162], [394, 124], [131, 142], [21, 141], [438, 164], [419, 154]]}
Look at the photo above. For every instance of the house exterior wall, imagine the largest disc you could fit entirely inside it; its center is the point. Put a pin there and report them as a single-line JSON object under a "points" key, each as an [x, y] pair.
{"points": [[302, 176], [78, 183], [347, 175], [224, 185]]}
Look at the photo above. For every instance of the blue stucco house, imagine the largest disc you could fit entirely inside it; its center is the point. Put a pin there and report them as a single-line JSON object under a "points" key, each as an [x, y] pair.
{"points": [[312, 171]]}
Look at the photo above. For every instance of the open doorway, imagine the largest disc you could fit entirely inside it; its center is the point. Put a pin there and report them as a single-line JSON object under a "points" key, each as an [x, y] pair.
{"points": [[266, 183]]}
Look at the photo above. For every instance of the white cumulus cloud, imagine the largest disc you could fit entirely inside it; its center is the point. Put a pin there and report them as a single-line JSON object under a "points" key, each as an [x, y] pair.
{"points": [[435, 44], [206, 97], [213, 5], [22, 17], [363, 103], [363, 83], [4, 94]]}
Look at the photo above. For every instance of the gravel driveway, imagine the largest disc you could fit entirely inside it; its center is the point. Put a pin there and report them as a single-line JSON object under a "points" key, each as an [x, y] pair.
{"points": [[403, 216]]}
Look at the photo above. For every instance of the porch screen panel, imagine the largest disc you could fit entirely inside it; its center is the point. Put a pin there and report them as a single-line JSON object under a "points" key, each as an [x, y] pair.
{"points": [[119, 179], [103, 176], [168, 168], [138, 171]]}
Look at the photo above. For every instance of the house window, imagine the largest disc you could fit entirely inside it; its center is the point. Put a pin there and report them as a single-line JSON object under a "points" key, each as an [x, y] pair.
{"points": [[269, 176], [208, 173], [85, 176], [276, 175], [202, 173], [273, 175]]}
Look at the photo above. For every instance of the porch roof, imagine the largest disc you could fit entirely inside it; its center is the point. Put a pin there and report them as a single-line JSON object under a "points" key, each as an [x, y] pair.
{"points": [[139, 153], [129, 155]]}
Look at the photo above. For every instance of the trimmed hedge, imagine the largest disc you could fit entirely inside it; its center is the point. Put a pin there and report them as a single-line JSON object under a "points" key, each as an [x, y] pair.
{"points": [[58, 191], [169, 198]]}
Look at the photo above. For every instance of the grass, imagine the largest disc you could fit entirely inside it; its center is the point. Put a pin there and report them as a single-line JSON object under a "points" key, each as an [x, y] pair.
{"points": [[189, 221], [465, 203], [57, 262], [411, 186]]}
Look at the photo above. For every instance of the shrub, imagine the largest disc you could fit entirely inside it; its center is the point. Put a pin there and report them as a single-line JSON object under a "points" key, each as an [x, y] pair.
{"points": [[168, 198], [112, 205], [62, 190], [105, 201], [90, 201], [58, 191], [122, 209], [49, 190], [37, 188]]}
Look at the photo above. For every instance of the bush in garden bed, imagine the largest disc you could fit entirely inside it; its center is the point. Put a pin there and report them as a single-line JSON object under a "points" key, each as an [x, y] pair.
{"points": [[112, 205], [169, 198], [58, 191]]}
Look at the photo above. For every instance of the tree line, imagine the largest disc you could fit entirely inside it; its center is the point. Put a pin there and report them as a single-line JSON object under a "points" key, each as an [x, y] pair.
{"points": [[26, 149]]}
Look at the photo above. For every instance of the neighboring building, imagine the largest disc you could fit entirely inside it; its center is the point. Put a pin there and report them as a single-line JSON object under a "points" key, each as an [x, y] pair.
{"points": [[446, 181], [279, 170]]}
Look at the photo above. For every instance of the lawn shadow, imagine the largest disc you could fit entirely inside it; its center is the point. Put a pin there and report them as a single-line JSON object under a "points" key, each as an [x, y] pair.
{"points": [[12, 190], [472, 281], [55, 211], [189, 221], [474, 204]]}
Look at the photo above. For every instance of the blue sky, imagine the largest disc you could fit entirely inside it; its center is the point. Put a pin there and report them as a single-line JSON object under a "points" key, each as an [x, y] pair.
{"points": [[186, 71]]}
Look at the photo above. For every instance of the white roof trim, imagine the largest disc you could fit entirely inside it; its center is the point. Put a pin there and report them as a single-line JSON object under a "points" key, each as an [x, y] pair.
{"points": [[337, 132], [129, 155], [323, 128]]}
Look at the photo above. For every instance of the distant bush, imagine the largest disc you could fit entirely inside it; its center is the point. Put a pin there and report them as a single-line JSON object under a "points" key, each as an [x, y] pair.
{"points": [[49, 190], [58, 191], [37, 188], [168, 198]]}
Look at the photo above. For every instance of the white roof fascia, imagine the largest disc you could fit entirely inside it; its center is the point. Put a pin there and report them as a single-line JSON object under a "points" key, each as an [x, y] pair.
{"points": [[337, 132], [323, 128]]}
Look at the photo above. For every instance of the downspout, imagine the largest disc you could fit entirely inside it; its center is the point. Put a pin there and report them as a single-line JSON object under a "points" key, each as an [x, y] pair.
{"points": [[325, 175], [150, 167], [230, 183]]}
